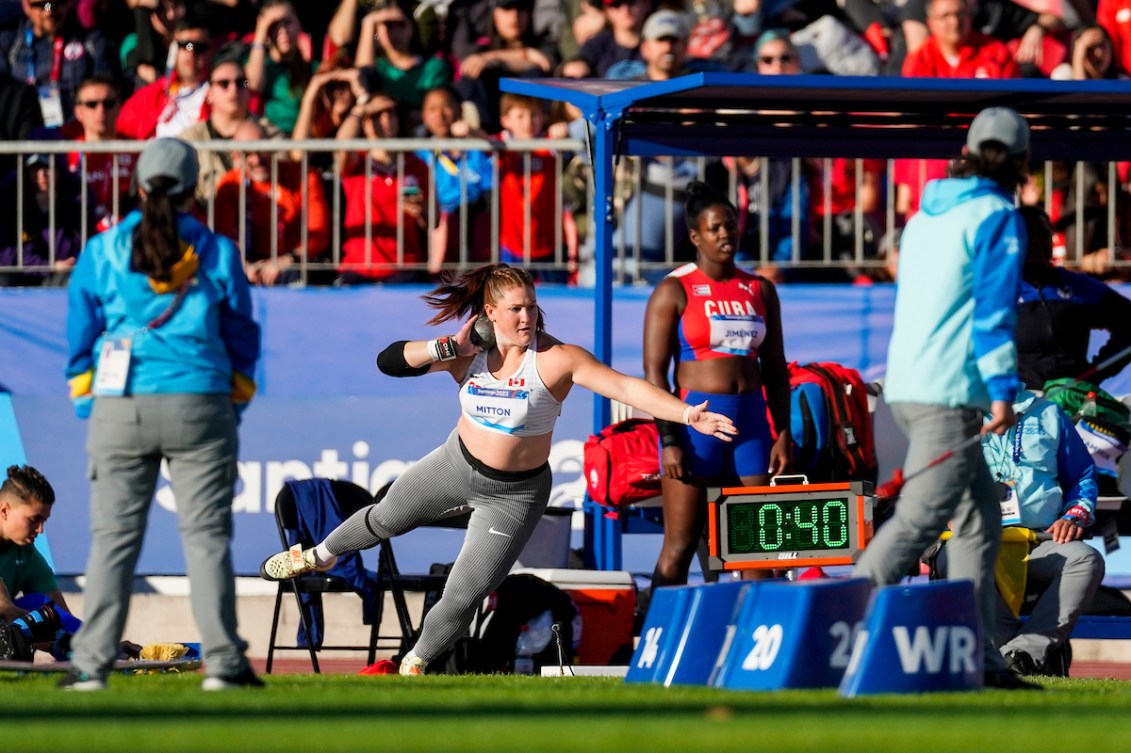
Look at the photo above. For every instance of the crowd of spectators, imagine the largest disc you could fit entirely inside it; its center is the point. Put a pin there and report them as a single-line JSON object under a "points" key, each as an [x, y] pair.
{"points": [[211, 70]]}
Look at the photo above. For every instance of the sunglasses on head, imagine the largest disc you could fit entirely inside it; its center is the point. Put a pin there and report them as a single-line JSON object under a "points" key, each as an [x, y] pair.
{"points": [[771, 59], [46, 5], [224, 83], [94, 104], [193, 45]]}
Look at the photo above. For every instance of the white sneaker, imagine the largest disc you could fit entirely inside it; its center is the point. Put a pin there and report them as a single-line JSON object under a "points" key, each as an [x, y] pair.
{"points": [[245, 679], [413, 665], [78, 681], [291, 564]]}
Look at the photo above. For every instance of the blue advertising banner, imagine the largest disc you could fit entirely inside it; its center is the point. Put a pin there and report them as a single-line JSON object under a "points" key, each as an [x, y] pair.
{"points": [[323, 409]]}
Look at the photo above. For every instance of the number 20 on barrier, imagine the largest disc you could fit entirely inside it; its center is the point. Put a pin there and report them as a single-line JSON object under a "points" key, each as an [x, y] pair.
{"points": [[768, 642]]}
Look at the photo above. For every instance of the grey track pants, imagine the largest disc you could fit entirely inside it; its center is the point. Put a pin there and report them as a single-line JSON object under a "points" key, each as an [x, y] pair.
{"points": [[128, 438], [959, 491], [505, 512]]}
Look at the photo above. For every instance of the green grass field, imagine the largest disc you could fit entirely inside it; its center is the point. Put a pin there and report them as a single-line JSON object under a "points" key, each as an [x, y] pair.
{"points": [[304, 714]]}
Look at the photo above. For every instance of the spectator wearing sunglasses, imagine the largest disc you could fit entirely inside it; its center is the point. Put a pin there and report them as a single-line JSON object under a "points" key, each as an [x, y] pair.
{"points": [[107, 174], [177, 100], [51, 51], [228, 108], [775, 55]]}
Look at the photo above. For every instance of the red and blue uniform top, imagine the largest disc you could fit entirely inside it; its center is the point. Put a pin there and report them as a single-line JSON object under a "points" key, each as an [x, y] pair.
{"points": [[722, 318]]}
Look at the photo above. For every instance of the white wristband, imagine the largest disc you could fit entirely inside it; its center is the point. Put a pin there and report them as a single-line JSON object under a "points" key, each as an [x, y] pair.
{"points": [[687, 416], [442, 349]]}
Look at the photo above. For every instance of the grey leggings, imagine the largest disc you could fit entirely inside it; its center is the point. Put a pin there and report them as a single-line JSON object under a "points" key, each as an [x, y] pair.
{"points": [[505, 509]]}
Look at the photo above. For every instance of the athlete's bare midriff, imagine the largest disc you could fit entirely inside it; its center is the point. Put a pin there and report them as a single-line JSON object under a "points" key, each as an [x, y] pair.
{"points": [[720, 376]]}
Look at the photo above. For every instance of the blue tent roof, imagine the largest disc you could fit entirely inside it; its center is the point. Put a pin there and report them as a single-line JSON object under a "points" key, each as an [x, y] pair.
{"points": [[843, 116]]}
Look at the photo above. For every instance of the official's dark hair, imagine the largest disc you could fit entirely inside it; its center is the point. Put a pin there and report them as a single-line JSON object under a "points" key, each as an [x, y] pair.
{"points": [[700, 198], [157, 246], [27, 484], [467, 294], [996, 163], [1039, 229], [99, 79]]}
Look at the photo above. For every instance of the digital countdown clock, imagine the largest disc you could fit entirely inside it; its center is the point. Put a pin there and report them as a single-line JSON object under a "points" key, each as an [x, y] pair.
{"points": [[805, 525]]}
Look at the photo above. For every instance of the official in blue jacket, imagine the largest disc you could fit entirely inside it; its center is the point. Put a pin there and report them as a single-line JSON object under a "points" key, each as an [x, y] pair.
{"points": [[1052, 489], [952, 359], [162, 351], [1057, 311]]}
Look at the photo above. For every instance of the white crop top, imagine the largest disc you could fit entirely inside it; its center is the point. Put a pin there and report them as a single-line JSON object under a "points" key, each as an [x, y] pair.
{"points": [[519, 405]]}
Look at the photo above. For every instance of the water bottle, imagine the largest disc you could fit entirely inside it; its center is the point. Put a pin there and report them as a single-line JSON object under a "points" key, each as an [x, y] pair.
{"points": [[1089, 406], [524, 652]]}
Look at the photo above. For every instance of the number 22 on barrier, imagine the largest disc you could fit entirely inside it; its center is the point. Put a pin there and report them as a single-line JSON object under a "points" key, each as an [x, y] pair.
{"points": [[845, 637]]}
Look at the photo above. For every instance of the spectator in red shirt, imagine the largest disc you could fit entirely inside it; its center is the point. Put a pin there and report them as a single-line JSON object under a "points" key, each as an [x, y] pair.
{"points": [[175, 101], [271, 249], [956, 50], [107, 174], [528, 189], [1115, 17], [392, 249]]}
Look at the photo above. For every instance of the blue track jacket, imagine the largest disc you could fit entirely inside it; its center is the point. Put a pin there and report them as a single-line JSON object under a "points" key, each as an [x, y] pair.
{"points": [[956, 303], [210, 337], [1050, 465]]}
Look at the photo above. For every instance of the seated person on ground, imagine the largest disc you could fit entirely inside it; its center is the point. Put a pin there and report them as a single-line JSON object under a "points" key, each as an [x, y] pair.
{"points": [[27, 583], [1051, 484]]}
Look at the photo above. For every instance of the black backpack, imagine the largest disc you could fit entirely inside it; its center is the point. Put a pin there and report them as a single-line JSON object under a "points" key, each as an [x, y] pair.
{"points": [[489, 645]]}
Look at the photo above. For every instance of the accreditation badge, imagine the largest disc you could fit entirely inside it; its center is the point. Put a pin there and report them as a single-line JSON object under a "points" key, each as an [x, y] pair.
{"points": [[113, 367], [1010, 506], [51, 106]]}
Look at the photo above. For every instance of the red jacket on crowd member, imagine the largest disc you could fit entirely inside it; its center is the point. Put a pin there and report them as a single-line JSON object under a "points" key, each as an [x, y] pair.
{"points": [[1115, 17], [288, 207], [146, 107], [100, 182], [982, 56], [385, 190], [516, 192]]}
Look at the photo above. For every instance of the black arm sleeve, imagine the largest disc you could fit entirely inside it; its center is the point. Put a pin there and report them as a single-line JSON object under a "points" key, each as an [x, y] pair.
{"points": [[391, 362], [671, 435]]}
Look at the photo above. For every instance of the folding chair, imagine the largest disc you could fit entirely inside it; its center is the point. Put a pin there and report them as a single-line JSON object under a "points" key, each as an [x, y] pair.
{"points": [[347, 498]]}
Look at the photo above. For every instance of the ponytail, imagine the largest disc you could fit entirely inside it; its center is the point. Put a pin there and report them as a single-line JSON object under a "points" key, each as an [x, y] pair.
{"points": [[157, 246], [458, 297]]}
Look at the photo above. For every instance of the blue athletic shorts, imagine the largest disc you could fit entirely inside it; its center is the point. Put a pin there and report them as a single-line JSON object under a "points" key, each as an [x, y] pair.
{"points": [[749, 453]]}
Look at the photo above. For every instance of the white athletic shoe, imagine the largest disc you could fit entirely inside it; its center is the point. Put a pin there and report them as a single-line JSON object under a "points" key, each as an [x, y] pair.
{"points": [[291, 564], [413, 665], [81, 682]]}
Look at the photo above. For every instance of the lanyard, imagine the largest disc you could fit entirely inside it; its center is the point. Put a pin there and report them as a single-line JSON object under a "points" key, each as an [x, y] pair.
{"points": [[1017, 440], [171, 309], [56, 58]]}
